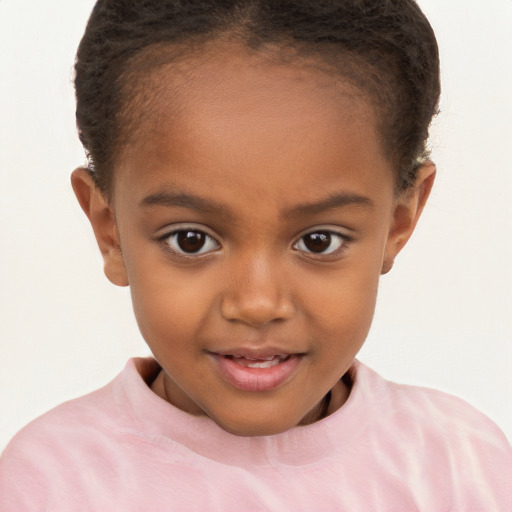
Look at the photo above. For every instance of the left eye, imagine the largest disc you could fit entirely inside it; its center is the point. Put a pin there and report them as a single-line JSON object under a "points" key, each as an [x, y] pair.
{"points": [[320, 242], [191, 242]]}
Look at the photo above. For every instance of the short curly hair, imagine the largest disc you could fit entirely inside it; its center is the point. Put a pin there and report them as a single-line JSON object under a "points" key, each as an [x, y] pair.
{"points": [[385, 47]]}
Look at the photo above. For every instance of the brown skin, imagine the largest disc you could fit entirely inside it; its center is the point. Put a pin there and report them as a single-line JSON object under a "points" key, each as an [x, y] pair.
{"points": [[253, 142]]}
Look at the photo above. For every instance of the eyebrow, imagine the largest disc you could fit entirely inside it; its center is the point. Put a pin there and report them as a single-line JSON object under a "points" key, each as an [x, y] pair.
{"points": [[183, 200], [193, 202], [332, 202]]}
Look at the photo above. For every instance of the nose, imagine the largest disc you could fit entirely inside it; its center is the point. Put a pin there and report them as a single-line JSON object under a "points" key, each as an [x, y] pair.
{"points": [[257, 293]]}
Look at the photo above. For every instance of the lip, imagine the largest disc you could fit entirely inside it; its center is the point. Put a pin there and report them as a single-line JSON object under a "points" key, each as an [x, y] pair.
{"points": [[233, 368]]}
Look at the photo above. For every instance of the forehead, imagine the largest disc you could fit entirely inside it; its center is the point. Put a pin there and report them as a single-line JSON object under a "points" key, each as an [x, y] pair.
{"points": [[247, 113], [166, 80]]}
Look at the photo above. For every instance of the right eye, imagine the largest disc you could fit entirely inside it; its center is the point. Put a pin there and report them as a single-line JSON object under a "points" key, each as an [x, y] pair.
{"points": [[191, 242]]}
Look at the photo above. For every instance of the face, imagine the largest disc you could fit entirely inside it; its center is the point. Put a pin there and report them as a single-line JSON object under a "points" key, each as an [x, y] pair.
{"points": [[254, 218]]}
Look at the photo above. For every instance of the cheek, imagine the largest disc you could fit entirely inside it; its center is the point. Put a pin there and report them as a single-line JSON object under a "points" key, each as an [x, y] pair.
{"points": [[341, 306], [168, 304]]}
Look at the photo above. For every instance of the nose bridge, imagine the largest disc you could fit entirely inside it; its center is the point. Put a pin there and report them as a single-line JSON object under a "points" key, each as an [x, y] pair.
{"points": [[256, 290]]}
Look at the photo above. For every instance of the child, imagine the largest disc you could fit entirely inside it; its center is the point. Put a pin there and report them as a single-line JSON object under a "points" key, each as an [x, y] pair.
{"points": [[255, 167]]}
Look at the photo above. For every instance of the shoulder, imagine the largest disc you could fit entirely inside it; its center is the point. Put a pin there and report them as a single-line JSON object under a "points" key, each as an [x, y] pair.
{"points": [[71, 421], [422, 401], [56, 446], [39, 454], [97, 414], [446, 414], [437, 435], [435, 412]]}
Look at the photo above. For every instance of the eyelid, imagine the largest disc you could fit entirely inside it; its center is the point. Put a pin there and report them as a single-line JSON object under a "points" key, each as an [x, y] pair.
{"points": [[344, 232], [169, 229]]}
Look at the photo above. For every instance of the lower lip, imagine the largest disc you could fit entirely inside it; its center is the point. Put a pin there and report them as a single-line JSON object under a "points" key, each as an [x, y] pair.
{"points": [[256, 379]]}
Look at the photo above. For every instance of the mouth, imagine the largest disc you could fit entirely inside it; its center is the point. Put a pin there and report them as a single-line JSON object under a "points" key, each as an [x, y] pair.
{"points": [[254, 372]]}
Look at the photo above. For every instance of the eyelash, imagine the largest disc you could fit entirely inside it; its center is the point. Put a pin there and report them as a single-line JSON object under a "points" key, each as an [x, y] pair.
{"points": [[209, 244]]}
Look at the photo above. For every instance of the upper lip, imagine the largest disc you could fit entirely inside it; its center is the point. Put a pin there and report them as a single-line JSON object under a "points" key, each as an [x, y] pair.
{"points": [[255, 352]]}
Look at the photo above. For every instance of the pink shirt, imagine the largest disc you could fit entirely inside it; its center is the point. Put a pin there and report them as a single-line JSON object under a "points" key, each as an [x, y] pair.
{"points": [[390, 448]]}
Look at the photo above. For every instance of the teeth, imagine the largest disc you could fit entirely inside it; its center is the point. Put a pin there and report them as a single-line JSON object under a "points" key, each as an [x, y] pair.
{"points": [[269, 358], [262, 362]]}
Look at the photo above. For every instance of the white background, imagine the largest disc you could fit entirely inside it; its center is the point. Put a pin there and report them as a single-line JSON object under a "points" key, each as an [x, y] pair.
{"points": [[444, 316]]}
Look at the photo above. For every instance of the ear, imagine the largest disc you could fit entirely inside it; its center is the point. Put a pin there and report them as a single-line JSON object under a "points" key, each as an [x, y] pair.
{"points": [[407, 211], [102, 219]]}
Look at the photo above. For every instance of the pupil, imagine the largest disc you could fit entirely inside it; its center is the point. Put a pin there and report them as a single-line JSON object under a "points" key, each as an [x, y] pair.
{"points": [[190, 241], [317, 242]]}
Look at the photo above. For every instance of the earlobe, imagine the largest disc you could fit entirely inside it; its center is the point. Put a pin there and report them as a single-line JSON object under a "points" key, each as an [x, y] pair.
{"points": [[407, 211], [102, 219]]}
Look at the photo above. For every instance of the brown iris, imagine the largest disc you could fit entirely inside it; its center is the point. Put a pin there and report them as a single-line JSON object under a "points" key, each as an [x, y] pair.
{"points": [[190, 241], [317, 242]]}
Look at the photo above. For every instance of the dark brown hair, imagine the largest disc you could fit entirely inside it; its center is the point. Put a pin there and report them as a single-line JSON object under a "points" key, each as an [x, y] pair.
{"points": [[385, 47]]}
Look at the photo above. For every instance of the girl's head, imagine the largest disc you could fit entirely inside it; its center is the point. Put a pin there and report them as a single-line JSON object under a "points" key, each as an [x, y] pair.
{"points": [[246, 158], [385, 48]]}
